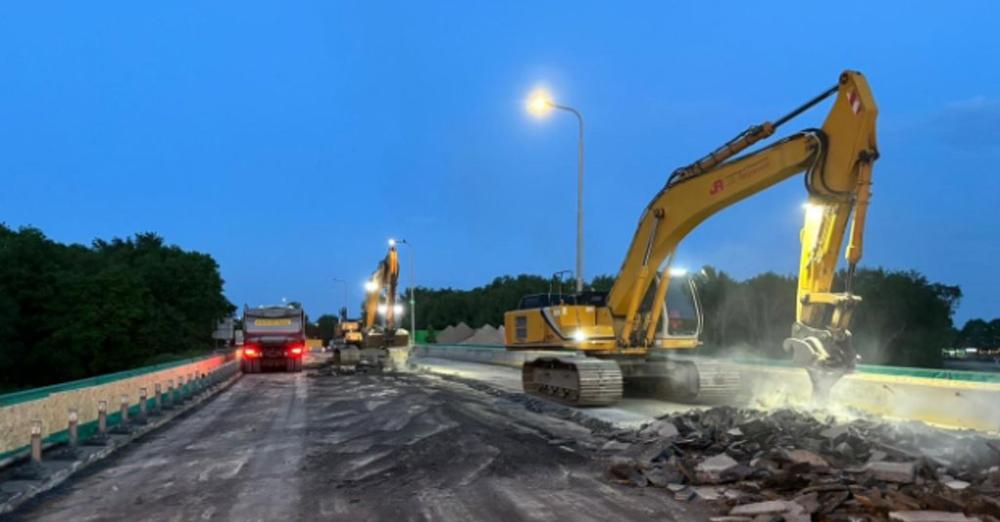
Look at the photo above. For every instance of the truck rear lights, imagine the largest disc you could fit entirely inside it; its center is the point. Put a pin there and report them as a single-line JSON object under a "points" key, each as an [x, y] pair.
{"points": [[251, 352], [295, 350]]}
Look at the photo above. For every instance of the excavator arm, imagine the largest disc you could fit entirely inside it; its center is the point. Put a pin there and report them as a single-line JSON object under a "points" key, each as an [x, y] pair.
{"points": [[837, 160], [384, 280]]}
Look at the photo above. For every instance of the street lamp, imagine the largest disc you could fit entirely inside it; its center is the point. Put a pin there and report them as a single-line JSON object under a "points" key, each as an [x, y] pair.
{"points": [[413, 302], [539, 104]]}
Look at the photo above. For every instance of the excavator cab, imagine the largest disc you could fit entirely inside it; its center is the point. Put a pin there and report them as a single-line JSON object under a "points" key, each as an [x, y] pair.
{"points": [[682, 316]]}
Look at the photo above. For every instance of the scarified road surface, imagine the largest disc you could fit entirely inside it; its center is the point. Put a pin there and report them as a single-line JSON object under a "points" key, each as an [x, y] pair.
{"points": [[364, 447]]}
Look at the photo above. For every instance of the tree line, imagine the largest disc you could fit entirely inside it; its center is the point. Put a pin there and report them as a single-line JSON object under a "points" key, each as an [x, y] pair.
{"points": [[73, 311], [904, 319]]}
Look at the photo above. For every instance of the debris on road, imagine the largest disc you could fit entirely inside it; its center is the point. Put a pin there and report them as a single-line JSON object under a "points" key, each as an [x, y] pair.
{"points": [[791, 465]]}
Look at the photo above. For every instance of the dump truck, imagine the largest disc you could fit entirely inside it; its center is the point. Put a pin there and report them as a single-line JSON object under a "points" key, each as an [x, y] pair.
{"points": [[274, 339]]}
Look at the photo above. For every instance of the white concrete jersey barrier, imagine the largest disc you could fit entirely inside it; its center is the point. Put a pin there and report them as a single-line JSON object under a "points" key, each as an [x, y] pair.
{"points": [[50, 407], [961, 401], [484, 354]]}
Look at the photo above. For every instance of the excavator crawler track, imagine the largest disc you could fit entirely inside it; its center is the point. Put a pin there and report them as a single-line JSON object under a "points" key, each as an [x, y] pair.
{"points": [[717, 382], [576, 381]]}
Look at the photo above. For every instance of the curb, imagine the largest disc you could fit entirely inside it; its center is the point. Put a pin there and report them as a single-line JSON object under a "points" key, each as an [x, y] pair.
{"points": [[15, 491]]}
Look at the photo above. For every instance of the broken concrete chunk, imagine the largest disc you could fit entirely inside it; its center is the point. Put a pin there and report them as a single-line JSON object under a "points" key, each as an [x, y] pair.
{"points": [[708, 493], [770, 507], [662, 475], [660, 429], [626, 470], [614, 445], [684, 494], [899, 472], [713, 469], [801, 456], [809, 502], [928, 516], [877, 455], [835, 433]]}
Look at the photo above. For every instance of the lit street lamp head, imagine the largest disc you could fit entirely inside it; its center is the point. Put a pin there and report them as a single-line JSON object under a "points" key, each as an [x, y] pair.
{"points": [[540, 102], [392, 242]]}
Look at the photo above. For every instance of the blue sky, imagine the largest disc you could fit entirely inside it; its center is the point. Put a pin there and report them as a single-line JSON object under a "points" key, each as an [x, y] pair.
{"points": [[290, 139]]}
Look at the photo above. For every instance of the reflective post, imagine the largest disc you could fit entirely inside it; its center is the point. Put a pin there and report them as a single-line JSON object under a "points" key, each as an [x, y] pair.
{"points": [[36, 443], [158, 401], [142, 419], [74, 435]]}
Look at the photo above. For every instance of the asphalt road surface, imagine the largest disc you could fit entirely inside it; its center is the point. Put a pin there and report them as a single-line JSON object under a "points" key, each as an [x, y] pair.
{"points": [[314, 446]]}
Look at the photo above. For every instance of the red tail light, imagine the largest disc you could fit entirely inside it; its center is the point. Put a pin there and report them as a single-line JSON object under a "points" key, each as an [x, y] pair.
{"points": [[251, 352], [296, 350]]}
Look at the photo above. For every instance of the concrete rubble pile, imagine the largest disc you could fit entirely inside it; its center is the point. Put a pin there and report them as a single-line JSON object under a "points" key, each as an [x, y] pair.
{"points": [[789, 465]]}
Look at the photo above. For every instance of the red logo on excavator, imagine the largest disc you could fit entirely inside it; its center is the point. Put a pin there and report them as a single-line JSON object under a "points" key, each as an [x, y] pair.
{"points": [[717, 187]]}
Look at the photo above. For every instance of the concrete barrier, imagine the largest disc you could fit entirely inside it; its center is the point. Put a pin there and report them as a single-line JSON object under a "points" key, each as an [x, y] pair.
{"points": [[484, 354], [944, 398], [50, 406]]}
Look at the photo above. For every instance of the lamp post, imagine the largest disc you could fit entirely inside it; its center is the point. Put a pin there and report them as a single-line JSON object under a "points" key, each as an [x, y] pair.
{"points": [[539, 104], [413, 302]]}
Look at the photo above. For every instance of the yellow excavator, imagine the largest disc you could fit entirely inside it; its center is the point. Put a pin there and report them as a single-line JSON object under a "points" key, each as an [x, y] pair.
{"points": [[380, 301], [621, 337]]}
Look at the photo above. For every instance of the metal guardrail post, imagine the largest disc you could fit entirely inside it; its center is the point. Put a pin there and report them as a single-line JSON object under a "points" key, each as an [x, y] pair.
{"points": [[72, 449], [143, 399], [123, 427], [36, 442], [34, 470], [169, 402], [158, 401], [101, 437], [73, 429]]}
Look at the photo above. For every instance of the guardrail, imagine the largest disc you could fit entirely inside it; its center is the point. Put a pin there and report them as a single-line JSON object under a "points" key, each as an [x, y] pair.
{"points": [[44, 416]]}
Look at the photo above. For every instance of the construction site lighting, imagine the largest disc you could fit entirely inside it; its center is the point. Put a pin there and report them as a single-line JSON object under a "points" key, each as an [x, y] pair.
{"points": [[579, 336], [383, 308], [370, 286], [678, 272], [392, 242], [540, 102]]}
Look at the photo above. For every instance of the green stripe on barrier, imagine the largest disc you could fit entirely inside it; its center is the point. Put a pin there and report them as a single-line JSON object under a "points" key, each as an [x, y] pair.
{"points": [[40, 393], [897, 371]]}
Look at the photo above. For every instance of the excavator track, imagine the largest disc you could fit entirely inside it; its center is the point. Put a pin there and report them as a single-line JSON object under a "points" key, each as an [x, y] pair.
{"points": [[717, 382], [689, 380], [575, 381]]}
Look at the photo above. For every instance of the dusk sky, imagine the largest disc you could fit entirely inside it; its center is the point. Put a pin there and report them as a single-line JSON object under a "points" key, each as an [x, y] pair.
{"points": [[289, 140]]}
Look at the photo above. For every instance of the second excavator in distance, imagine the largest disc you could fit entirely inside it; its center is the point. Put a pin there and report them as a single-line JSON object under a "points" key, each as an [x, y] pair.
{"points": [[625, 336], [379, 329]]}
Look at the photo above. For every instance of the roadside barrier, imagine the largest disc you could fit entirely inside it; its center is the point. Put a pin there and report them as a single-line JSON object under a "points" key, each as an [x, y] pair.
{"points": [[77, 412]]}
